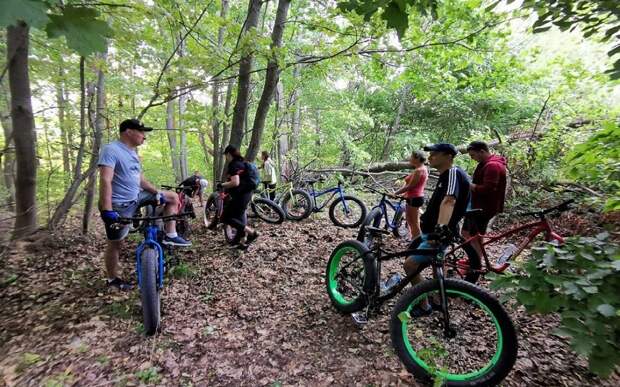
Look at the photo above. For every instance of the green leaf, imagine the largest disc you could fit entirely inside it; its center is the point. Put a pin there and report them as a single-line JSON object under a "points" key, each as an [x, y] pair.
{"points": [[84, 33], [601, 365], [33, 13], [396, 19], [606, 310], [590, 289]]}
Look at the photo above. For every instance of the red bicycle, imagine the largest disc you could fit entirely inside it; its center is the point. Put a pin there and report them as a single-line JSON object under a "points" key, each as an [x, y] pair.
{"points": [[185, 193], [466, 260]]}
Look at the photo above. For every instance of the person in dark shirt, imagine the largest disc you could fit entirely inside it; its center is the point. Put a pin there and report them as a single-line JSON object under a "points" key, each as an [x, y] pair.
{"points": [[445, 208], [191, 185], [240, 195], [488, 191]]}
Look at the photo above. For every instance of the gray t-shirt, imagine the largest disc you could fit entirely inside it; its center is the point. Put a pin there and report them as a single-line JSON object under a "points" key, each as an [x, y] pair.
{"points": [[127, 170]]}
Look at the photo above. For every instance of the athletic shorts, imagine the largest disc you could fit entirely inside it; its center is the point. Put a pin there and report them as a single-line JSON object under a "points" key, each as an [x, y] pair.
{"points": [[477, 223], [416, 202], [423, 245], [126, 210]]}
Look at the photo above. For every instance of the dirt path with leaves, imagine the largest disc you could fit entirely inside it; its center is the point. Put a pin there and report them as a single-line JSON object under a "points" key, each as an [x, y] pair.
{"points": [[257, 318]]}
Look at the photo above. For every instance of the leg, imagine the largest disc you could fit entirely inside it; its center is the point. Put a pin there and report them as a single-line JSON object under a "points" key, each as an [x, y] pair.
{"points": [[272, 191], [111, 255], [413, 220], [171, 208]]}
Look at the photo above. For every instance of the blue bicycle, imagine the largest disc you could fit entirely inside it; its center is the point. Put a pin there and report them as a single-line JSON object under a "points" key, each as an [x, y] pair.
{"points": [[151, 265], [344, 211], [379, 217]]}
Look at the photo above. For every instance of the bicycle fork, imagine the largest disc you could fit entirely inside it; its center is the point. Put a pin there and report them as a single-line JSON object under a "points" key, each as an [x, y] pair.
{"points": [[447, 329]]}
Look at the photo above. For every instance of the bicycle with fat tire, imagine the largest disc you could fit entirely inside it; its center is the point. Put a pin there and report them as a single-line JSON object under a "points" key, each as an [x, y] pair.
{"points": [[379, 217], [467, 338], [344, 210], [151, 265], [296, 203]]}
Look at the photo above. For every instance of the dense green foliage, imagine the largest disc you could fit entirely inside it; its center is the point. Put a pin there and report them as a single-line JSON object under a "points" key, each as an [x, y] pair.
{"points": [[581, 282]]}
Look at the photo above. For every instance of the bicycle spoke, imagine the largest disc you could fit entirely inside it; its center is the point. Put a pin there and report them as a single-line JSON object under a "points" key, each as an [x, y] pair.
{"points": [[473, 349]]}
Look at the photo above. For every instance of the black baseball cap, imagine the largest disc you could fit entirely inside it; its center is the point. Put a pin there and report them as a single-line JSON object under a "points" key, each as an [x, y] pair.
{"points": [[442, 147], [133, 123]]}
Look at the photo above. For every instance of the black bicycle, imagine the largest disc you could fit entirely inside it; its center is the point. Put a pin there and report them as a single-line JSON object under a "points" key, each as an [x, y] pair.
{"points": [[466, 339]]}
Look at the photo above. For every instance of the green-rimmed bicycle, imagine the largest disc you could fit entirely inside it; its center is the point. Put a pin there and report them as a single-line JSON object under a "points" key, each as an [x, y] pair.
{"points": [[466, 339]]}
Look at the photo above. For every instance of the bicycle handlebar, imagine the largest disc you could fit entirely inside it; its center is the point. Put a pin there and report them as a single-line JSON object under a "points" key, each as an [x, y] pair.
{"points": [[562, 207], [124, 220], [391, 196]]}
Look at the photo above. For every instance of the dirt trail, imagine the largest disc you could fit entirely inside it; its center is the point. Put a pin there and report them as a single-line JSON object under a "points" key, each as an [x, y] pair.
{"points": [[258, 318]]}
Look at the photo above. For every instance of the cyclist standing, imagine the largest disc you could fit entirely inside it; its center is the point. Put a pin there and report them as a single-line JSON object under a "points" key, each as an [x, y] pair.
{"points": [[240, 187], [122, 189], [269, 177], [414, 191], [445, 208], [488, 190]]}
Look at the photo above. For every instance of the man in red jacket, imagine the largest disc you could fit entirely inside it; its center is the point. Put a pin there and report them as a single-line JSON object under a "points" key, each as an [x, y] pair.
{"points": [[488, 189]]}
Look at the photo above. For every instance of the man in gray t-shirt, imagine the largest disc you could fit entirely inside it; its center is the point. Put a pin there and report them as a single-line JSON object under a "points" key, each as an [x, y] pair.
{"points": [[123, 189]]}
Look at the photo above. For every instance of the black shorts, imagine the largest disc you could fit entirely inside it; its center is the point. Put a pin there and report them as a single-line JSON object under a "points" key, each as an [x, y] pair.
{"points": [[234, 209], [416, 202], [126, 210], [477, 223]]}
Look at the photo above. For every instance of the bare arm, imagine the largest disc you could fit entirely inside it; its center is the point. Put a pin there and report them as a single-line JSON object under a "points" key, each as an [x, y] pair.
{"points": [[233, 182], [105, 188], [417, 175], [146, 185], [446, 209]]}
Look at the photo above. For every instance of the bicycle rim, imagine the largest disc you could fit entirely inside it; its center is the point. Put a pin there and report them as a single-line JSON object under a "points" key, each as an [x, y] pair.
{"points": [[471, 354], [346, 276], [267, 212], [297, 206]]}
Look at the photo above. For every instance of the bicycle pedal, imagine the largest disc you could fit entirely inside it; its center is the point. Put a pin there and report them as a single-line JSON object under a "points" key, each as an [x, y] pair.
{"points": [[360, 318]]}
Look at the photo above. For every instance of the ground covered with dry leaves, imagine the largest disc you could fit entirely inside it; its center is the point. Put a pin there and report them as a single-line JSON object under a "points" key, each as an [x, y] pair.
{"points": [[259, 318]]}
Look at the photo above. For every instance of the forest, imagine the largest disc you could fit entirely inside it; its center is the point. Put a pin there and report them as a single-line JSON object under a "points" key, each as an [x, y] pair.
{"points": [[339, 93]]}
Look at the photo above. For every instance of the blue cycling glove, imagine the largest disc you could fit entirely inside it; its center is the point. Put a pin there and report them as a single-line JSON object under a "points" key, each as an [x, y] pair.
{"points": [[110, 216]]}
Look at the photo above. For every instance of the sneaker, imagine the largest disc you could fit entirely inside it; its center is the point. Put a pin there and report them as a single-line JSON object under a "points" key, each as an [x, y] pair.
{"points": [[212, 226], [176, 241], [359, 318], [387, 286], [119, 284], [251, 238]]}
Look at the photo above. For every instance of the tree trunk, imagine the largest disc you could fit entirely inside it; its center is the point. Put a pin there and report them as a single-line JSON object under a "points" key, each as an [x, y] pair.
{"points": [[7, 155], [296, 121], [61, 102], [387, 146], [226, 129], [281, 139], [218, 145], [172, 140], [243, 88], [184, 173], [24, 133], [60, 213], [98, 128], [271, 80]]}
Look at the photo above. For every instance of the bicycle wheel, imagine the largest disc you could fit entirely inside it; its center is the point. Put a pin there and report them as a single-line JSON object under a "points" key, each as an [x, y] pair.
{"points": [[149, 292], [373, 219], [213, 210], [401, 229], [481, 349], [297, 204], [352, 216], [267, 210], [347, 276]]}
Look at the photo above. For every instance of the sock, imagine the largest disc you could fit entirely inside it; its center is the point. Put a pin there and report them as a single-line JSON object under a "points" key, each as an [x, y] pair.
{"points": [[171, 234]]}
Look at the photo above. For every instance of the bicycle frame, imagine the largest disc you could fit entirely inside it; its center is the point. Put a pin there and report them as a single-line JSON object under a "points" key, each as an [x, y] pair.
{"points": [[336, 190], [383, 204], [437, 262], [150, 240], [540, 226]]}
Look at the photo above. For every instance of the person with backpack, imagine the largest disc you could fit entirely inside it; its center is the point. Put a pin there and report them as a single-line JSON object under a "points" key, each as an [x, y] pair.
{"points": [[242, 181]]}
